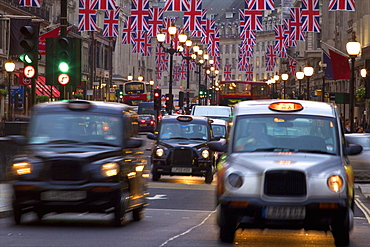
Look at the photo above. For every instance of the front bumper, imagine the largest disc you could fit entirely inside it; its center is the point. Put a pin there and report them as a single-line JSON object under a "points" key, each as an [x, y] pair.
{"points": [[195, 170]]}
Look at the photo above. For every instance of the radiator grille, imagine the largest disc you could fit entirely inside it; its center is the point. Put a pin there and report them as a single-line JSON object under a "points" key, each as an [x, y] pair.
{"points": [[182, 157], [285, 183], [66, 170]]}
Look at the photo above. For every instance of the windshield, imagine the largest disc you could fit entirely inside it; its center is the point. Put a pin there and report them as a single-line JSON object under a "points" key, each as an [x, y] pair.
{"points": [[285, 133], [75, 127], [183, 131]]}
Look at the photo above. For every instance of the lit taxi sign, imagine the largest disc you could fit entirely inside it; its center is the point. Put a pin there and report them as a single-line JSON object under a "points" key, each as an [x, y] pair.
{"points": [[82, 105], [286, 106], [184, 118]]}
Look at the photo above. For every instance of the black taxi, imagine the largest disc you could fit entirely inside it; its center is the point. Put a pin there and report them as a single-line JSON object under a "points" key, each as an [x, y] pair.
{"points": [[80, 156], [181, 147]]}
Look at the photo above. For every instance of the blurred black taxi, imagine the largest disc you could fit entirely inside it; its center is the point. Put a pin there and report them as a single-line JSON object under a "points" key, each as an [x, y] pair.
{"points": [[147, 123], [80, 156], [286, 167], [181, 147]]}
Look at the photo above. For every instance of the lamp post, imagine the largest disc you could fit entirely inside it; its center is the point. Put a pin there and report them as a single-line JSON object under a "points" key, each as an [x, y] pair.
{"points": [[308, 72], [161, 37], [284, 77], [276, 80], [9, 67], [187, 57], [151, 83], [299, 75], [199, 61], [323, 67], [130, 77], [353, 49], [140, 78]]}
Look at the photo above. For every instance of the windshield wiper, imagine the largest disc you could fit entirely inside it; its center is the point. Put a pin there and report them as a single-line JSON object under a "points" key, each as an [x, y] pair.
{"points": [[276, 149], [101, 144], [313, 151], [62, 141], [178, 137]]}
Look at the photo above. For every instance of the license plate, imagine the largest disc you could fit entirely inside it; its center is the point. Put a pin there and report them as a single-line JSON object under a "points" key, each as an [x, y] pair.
{"points": [[58, 195], [285, 212], [142, 124], [181, 169]]}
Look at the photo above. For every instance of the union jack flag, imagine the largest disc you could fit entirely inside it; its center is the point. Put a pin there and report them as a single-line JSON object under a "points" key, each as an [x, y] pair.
{"points": [[251, 19], [155, 21], [193, 15], [128, 32], [348, 5], [270, 57], [176, 73], [295, 24], [161, 58], [140, 13], [280, 46], [147, 46], [260, 4], [158, 76], [29, 3], [139, 39], [175, 5], [111, 22], [311, 16], [292, 65], [87, 16], [249, 72], [227, 72], [209, 30], [213, 48], [167, 22], [183, 71], [105, 4], [201, 32]]}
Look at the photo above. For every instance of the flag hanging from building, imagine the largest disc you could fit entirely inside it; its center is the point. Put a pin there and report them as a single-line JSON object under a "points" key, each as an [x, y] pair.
{"points": [[105, 4], [227, 72], [259, 4], [340, 65], [140, 13], [292, 66], [128, 32], [329, 68], [111, 23], [86, 16], [251, 19], [155, 21], [29, 3], [175, 5], [311, 16], [249, 72], [193, 15], [346, 5], [295, 24]]}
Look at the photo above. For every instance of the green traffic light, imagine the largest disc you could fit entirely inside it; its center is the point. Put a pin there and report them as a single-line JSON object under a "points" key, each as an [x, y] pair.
{"points": [[201, 92], [25, 58], [63, 67], [121, 92]]}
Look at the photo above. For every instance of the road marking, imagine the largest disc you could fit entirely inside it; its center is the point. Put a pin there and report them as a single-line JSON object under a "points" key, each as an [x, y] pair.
{"points": [[364, 209], [182, 186], [157, 197]]}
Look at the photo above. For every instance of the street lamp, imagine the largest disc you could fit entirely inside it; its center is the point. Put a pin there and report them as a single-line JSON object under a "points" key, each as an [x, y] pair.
{"points": [[171, 50], [299, 75], [353, 49], [197, 56], [187, 57], [308, 72], [284, 77], [130, 77], [9, 67], [151, 83], [140, 78]]}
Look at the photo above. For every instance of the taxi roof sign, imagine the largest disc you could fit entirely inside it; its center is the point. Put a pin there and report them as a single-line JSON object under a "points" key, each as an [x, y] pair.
{"points": [[184, 118], [285, 106]]}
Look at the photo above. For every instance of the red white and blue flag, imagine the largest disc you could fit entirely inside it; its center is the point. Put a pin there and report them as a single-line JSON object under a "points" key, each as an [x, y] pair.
{"points": [[295, 23], [259, 4], [251, 19], [139, 39], [213, 48], [311, 16], [175, 5], [87, 16], [193, 15], [183, 71], [155, 21], [203, 23], [176, 73], [29, 3], [280, 42], [346, 5], [147, 45], [111, 23], [227, 72], [209, 30], [105, 4], [270, 58], [140, 14], [292, 66], [128, 32], [289, 41], [249, 72]]}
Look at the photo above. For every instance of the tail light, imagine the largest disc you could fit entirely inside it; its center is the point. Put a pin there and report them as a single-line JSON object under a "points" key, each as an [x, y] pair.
{"points": [[152, 122], [142, 121]]}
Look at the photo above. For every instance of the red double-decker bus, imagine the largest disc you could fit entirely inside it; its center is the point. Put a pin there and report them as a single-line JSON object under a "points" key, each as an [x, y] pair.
{"points": [[232, 92], [135, 92]]}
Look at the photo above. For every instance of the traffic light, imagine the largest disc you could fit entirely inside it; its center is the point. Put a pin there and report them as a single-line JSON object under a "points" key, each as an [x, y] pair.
{"points": [[157, 99], [167, 102], [19, 102], [30, 42], [181, 99]]}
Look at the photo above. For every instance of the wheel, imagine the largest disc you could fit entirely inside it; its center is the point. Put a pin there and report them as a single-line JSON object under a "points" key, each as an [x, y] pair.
{"points": [[227, 225], [138, 213], [17, 213], [209, 176], [341, 228], [155, 176], [40, 215], [119, 213]]}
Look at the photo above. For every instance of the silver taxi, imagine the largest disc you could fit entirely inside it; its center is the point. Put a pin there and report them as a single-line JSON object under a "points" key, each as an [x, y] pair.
{"points": [[285, 166]]}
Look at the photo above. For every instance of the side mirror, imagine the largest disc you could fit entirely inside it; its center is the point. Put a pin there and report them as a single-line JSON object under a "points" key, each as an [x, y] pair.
{"points": [[15, 139], [353, 149], [134, 143], [218, 146], [152, 136]]}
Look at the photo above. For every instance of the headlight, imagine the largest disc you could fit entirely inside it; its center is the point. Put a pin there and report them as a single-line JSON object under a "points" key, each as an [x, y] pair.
{"points": [[109, 169], [22, 168], [335, 183], [159, 152], [205, 154], [235, 180]]}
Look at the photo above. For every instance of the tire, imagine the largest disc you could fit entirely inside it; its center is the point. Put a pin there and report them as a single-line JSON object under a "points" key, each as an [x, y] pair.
{"points": [[119, 213], [341, 228], [17, 213], [227, 225], [209, 176], [138, 213], [155, 176], [40, 215]]}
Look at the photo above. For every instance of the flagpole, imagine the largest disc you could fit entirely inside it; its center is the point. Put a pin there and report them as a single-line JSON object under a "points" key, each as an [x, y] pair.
{"points": [[335, 49]]}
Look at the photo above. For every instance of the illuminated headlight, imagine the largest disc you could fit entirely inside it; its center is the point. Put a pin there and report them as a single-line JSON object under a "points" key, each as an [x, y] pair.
{"points": [[235, 180], [335, 183], [159, 152], [22, 168], [109, 169], [205, 154]]}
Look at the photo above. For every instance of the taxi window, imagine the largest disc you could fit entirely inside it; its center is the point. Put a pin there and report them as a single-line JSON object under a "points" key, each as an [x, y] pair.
{"points": [[219, 130], [286, 133]]}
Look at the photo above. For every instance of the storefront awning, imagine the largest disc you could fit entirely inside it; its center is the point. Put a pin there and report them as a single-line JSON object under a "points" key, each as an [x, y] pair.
{"points": [[42, 88]]}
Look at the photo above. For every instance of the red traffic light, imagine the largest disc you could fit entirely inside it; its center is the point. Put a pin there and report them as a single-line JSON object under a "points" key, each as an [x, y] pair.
{"points": [[156, 94], [167, 98]]}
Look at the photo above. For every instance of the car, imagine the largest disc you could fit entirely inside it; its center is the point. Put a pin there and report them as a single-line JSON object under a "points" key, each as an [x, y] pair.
{"points": [[146, 108], [213, 111], [360, 162], [80, 156], [181, 147], [147, 123], [220, 128], [285, 166]]}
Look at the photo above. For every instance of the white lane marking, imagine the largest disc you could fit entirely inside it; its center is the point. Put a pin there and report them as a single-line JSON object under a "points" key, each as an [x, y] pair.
{"points": [[157, 197], [364, 209], [186, 232]]}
